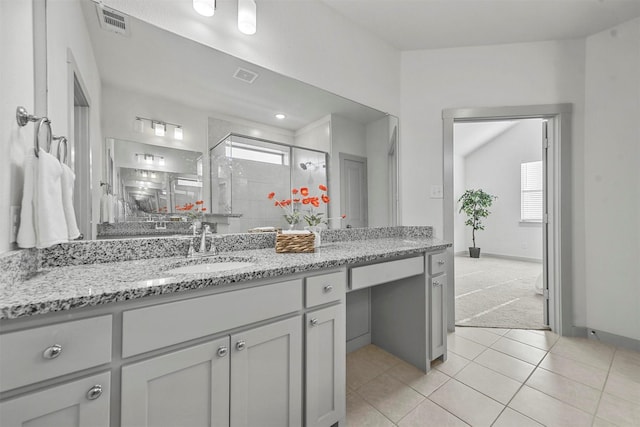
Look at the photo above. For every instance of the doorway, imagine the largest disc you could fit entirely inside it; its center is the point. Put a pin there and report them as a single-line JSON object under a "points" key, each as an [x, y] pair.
{"points": [[503, 288], [556, 204], [354, 198]]}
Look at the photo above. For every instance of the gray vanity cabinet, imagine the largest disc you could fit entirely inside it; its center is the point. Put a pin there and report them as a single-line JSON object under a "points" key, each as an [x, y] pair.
{"points": [[80, 403], [266, 375], [437, 298], [185, 387]]}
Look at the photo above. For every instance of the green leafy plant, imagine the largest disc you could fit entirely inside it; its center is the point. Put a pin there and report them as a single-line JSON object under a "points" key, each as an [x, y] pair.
{"points": [[475, 204]]}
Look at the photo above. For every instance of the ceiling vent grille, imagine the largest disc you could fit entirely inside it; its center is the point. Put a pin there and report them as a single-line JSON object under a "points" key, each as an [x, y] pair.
{"points": [[245, 75], [111, 20]]}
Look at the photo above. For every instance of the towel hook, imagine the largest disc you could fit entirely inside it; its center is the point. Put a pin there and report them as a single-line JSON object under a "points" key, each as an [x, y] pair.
{"points": [[23, 117], [61, 140], [36, 136]]}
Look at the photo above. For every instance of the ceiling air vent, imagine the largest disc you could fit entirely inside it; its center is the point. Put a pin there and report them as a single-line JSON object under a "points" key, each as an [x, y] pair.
{"points": [[112, 20], [245, 75]]}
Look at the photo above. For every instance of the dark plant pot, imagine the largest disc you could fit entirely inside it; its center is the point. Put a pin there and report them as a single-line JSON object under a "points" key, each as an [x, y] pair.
{"points": [[474, 252]]}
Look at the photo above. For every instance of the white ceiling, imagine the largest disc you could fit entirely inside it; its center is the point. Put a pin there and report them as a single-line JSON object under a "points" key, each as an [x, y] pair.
{"points": [[469, 136], [430, 24]]}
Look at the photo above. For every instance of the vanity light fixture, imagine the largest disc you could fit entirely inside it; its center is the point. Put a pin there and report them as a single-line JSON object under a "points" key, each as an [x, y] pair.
{"points": [[159, 128], [205, 7], [138, 125], [161, 161], [247, 17], [177, 133], [280, 116]]}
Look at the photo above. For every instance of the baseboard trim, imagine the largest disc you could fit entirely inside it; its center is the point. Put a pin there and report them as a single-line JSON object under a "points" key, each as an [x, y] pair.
{"points": [[510, 257], [606, 337], [358, 342]]}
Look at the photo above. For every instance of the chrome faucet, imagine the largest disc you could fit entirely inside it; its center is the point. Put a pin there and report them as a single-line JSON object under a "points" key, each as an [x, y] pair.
{"points": [[203, 240]]}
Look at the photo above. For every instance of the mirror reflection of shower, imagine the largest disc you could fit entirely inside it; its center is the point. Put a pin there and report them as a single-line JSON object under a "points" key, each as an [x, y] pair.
{"points": [[310, 166]]}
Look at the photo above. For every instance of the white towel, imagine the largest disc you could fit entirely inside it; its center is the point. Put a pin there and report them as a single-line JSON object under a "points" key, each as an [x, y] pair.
{"points": [[51, 225], [112, 209], [27, 231], [68, 181]]}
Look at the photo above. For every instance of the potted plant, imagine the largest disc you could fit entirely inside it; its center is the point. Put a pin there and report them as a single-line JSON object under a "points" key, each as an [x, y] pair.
{"points": [[475, 204]]}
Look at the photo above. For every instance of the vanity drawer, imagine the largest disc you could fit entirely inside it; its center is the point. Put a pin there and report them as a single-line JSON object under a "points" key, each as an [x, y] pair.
{"points": [[162, 325], [437, 263], [38, 354], [384, 272], [325, 288]]}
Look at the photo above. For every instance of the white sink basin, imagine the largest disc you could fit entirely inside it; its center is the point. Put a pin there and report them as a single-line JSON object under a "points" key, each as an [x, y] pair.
{"points": [[209, 268]]}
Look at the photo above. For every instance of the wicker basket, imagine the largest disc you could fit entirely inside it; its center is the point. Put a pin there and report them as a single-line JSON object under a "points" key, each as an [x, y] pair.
{"points": [[295, 243]]}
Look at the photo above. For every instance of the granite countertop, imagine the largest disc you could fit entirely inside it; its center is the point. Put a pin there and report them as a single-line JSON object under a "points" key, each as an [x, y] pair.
{"points": [[52, 289]]}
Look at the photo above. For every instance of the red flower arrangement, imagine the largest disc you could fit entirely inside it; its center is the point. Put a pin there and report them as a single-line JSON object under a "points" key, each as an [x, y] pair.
{"points": [[191, 213], [289, 205]]}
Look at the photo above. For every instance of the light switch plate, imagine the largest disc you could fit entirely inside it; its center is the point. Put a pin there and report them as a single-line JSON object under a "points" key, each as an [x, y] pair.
{"points": [[436, 192]]}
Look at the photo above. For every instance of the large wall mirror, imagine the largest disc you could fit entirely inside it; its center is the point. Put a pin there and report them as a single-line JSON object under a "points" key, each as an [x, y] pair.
{"points": [[122, 85]]}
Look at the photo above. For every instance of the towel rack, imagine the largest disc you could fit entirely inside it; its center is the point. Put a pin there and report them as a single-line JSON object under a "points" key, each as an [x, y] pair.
{"points": [[23, 117], [61, 140]]}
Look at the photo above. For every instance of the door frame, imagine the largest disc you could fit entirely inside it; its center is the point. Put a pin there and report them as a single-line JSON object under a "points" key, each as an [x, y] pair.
{"points": [[559, 238], [343, 183]]}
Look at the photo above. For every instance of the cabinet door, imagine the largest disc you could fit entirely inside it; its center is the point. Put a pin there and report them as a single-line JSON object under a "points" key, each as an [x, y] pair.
{"points": [[437, 294], [83, 402], [188, 387], [266, 375], [325, 355]]}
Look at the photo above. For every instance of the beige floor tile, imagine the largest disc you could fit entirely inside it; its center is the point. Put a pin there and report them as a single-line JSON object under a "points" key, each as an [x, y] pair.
{"points": [[423, 383], [497, 331], [360, 371], [589, 352], [511, 418], [623, 387], [619, 411], [627, 363], [488, 382], [566, 390], [464, 347], [577, 371], [361, 414], [543, 342], [477, 335], [428, 414], [390, 396], [452, 366], [599, 422], [507, 365], [519, 350], [547, 410], [381, 359], [467, 404]]}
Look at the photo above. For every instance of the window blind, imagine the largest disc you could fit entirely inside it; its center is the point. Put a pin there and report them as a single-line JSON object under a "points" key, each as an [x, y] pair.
{"points": [[531, 197]]}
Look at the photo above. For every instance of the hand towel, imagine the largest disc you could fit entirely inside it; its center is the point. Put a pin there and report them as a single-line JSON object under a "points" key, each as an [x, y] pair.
{"points": [[27, 232], [68, 182], [51, 225]]}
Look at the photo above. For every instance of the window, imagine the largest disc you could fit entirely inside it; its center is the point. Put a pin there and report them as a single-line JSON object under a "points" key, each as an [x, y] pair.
{"points": [[531, 196], [238, 150]]}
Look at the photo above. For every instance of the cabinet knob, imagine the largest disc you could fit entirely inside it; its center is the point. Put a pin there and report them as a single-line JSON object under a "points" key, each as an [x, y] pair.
{"points": [[436, 283], [94, 392], [314, 322], [222, 351], [441, 262], [328, 288], [240, 345], [52, 352]]}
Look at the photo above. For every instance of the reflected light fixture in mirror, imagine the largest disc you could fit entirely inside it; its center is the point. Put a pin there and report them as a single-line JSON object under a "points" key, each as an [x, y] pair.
{"points": [[247, 17], [280, 116], [159, 128], [205, 7], [177, 133]]}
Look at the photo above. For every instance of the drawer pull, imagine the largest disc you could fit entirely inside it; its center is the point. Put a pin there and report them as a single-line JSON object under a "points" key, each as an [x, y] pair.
{"points": [[94, 392], [314, 322], [240, 345], [436, 283], [328, 288], [222, 351], [52, 352], [441, 262]]}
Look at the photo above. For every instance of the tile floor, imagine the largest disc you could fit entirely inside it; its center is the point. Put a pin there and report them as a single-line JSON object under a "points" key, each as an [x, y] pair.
{"points": [[501, 378]]}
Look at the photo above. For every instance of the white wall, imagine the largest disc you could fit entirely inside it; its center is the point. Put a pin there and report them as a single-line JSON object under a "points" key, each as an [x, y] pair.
{"points": [[612, 180], [65, 42], [486, 76], [495, 168], [306, 40], [16, 88], [459, 187], [377, 145]]}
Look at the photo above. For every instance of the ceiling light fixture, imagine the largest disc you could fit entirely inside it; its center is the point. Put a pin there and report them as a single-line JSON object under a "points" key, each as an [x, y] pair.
{"points": [[247, 17], [280, 116], [205, 7]]}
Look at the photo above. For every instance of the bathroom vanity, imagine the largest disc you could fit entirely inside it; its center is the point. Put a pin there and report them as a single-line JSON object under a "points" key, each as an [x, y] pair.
{"points": [[142, 343]]}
